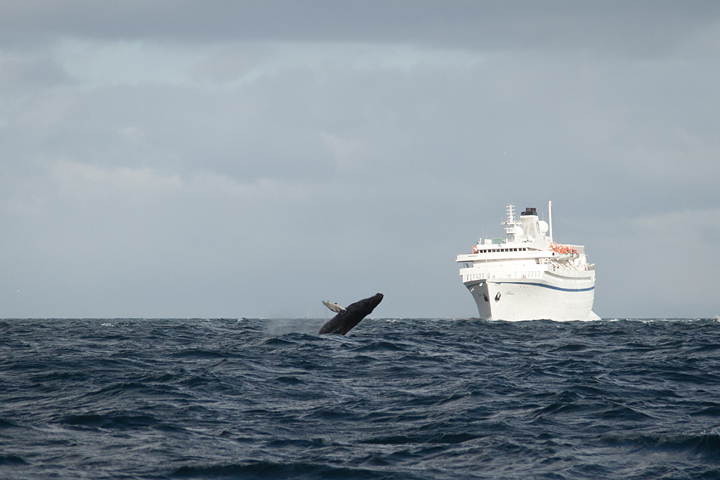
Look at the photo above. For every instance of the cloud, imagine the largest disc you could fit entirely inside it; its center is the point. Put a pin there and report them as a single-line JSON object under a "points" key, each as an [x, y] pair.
{"points": [[93, 183], [21, 76], [639, 28], [167, 158]]}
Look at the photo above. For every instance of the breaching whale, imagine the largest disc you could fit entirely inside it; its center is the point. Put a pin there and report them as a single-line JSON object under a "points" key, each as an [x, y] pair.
{"points": [[347, 318]]}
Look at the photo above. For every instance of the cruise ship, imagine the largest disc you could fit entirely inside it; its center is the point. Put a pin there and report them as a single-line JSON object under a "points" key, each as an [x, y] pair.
{"points": [[527, 276]]}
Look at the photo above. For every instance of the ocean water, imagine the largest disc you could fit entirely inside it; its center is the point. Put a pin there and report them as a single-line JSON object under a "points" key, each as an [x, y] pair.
{"points": [[396, 398]]}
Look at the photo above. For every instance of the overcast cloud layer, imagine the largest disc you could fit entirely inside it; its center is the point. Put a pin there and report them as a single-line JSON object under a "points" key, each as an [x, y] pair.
{"points": [[204, 159]]}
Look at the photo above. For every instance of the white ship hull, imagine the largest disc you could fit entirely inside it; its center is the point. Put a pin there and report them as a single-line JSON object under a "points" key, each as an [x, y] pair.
{"points": [[551, 297]]}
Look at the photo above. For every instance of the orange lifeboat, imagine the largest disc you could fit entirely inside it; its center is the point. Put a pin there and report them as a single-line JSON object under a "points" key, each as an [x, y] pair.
{"points": [[556, 247]]}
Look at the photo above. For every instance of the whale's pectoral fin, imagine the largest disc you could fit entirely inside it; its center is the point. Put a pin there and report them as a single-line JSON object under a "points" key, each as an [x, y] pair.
{"points": [[333, 306]]}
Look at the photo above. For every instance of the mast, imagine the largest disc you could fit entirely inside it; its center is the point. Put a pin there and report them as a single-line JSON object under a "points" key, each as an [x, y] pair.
{"points": [[513, 231], [511, 214], [550, 219]]}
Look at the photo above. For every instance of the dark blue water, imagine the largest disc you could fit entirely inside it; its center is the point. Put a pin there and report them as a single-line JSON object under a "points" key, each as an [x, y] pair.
{"points": [[423, 399]]}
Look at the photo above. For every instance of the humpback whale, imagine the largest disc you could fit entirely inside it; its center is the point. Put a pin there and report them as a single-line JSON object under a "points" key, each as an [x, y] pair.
{"points": [[348, 317]]}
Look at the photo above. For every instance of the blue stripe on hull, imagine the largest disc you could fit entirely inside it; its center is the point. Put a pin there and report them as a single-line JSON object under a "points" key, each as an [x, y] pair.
{"points": [[551, 287]]}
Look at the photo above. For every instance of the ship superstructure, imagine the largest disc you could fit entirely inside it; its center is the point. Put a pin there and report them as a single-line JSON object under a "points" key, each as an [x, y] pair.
{"points": [[527, 276]]}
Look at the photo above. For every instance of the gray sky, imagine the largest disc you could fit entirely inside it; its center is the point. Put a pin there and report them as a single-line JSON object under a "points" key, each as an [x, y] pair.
{"points": [[205, 159]]}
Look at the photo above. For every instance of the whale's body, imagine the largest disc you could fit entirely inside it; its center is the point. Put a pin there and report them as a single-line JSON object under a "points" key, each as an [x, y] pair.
{"points": [[353, 314]]}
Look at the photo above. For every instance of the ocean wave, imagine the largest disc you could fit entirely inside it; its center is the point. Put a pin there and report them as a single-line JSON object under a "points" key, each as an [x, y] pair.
{"points": [[12, 460], [109, 421], [705, 444], [263, 470]]}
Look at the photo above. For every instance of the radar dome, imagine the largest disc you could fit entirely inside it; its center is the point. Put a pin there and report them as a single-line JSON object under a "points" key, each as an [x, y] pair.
{"points": [[543, 227]]}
